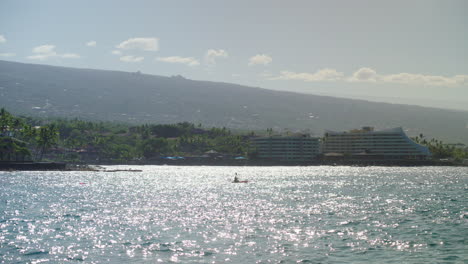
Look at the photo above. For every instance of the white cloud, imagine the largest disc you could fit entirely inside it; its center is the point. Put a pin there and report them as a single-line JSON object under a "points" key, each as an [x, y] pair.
{"points": [[43, 52], [461, 79], [130, 58], [370, 75], [2, 39], [70, 56], [116, 52], [321, 75], [420, 79], [364, 75], [183, 60], [48, 51], [260, 59], [212, 55], [7, 54], [38, 57], [148, 44], [44, 49], [91, 43]]}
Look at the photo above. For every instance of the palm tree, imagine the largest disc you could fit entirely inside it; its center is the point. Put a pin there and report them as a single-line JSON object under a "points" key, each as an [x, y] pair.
{"points": [[47, 137]]}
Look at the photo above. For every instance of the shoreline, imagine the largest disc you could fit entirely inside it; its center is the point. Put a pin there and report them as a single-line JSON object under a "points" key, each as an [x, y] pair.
{"points": [[33, 166], [357, 163], [62, 166]]}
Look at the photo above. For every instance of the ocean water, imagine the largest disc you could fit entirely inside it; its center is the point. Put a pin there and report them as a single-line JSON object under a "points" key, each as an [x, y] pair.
{"points": [[174, 214]]}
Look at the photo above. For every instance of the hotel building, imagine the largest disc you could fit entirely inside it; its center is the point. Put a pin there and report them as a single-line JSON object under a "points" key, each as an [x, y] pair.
{"points": [[286, 148], [365, 143]]}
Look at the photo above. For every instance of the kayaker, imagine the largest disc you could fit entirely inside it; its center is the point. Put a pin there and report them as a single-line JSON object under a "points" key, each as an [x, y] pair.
{"points": [[235, 178]]}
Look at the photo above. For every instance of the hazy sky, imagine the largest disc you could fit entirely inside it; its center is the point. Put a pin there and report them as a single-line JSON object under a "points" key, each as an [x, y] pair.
{"points": [[397, 51]]}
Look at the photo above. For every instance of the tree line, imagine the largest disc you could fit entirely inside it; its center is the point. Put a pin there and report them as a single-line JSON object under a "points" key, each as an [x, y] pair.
{"points": [[442, 150], [21, 140], [24, 138]]}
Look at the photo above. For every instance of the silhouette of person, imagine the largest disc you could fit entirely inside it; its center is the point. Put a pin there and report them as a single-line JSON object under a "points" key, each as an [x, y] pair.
{"points": [[235, 178]]}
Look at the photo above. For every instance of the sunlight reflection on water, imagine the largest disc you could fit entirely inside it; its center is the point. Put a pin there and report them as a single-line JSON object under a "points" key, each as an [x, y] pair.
{"points": [[195, 214]]}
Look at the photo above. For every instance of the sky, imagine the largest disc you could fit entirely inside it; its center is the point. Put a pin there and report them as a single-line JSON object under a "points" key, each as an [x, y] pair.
{"points": [[400, 51]]}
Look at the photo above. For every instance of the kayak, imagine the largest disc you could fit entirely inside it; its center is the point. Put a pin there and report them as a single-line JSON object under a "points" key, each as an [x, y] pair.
{"points": [[240, 182]]}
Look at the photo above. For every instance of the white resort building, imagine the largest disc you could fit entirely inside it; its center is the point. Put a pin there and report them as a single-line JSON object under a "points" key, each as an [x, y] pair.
{"points": [[287, 148], [367, 144]]}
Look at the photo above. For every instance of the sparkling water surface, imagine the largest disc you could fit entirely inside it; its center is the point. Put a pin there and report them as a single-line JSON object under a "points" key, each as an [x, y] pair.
{"points": [[169, 214]]}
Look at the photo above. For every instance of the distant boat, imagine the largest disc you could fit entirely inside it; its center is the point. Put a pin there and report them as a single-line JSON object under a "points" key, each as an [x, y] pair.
{"points": [[240, 181], [236, 180], [130, 170]]}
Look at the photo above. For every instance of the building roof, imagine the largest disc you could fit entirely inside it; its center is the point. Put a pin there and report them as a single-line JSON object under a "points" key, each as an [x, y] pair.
{"points": [[296, 136], [365, 131]]}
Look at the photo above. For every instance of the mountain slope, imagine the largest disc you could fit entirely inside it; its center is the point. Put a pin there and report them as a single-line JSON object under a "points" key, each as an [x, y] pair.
{"points": [[137, 98]]}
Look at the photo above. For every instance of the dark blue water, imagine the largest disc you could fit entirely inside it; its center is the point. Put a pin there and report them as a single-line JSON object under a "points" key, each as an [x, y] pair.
{"points": [[195, 215]]}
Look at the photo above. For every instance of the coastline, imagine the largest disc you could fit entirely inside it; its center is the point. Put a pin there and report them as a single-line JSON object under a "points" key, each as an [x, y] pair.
{"points": [[366, 163], [62, 166], [33, 166]]}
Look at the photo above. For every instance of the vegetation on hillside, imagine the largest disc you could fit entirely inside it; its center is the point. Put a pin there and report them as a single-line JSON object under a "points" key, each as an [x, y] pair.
{"points": [[77, 140]]}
